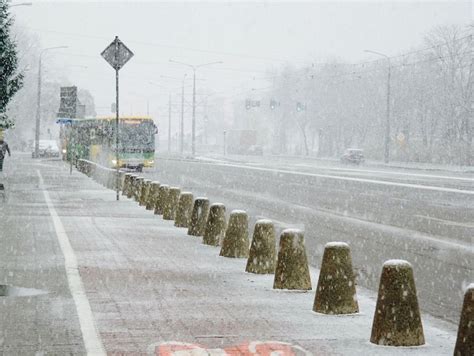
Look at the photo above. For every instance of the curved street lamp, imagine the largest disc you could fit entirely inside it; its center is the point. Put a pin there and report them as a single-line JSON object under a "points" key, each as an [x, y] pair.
{"points": [[38, 101], [194, 68]]}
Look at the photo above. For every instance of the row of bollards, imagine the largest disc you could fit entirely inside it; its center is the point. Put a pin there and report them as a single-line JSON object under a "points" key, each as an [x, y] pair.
{"points": [[397, 320]]}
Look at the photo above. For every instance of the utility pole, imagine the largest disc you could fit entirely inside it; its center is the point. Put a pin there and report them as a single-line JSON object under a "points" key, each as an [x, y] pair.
{"points": [[38, 99], [169, 124], [387, 118], [181, 134], [194, 68]]}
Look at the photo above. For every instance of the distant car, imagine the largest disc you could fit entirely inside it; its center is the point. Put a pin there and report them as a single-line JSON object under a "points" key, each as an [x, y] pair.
{"points": [[255, 150], [353, 155], [47, 148]]}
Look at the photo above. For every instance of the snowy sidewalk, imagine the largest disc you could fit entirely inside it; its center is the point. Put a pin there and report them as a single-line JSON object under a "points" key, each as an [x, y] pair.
{"points": [[150, 285]]}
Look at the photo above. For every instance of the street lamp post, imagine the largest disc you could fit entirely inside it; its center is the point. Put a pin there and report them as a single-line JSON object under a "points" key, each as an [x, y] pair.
{"points": [[38, 101], [387, 120], [194, 68]]}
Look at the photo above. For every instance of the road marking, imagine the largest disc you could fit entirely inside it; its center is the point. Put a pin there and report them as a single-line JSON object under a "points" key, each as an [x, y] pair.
{"points": [[343, 169], [92, 341], [389, 172], [317, 175]]}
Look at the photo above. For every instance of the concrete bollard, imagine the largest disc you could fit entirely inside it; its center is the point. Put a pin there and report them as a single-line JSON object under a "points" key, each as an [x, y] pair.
{"points": [[184, 210], [169, 209], [152, 195], [162, 198], [121, 180], [465, 339], [336, 292], [215, 226], [126, 183], [397, 320], [236, 239], [262, 255], [138, 188], [131, 188], [292, 271], [144, 191], [197, 223]]}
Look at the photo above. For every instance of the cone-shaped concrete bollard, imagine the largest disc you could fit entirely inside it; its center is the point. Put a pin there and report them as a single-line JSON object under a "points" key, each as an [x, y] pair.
{"points": [[126, 184], [162, 198], [138, 188], [292, 271], [336, 293], [169, 209], [144, 191], [152, 195], [131, 188], [184, 210], [262, 255], [236, 240], [215, 226], [397, 320], [465, 340], [197, 223]]}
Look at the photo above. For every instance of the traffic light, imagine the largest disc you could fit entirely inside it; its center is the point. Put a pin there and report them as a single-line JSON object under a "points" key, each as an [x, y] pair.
{"points": [[252, 104], [247, 104], [272, 104], [300, 106]]}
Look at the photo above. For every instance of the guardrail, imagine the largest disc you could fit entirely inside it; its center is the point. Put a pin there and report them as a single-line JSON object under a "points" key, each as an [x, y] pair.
{"points": [[397, 318]]}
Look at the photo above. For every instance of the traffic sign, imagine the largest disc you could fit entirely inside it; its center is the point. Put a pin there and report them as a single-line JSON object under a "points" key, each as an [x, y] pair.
{"points": [[117, 54]]}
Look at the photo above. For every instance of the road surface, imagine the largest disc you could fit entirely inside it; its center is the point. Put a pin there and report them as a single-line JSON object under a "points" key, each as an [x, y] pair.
{"points": [[107, 277], [424, 217]]}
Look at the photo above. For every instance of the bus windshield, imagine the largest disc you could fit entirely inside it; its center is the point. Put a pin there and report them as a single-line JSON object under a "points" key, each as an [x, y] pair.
{"points": [[137, 136]]}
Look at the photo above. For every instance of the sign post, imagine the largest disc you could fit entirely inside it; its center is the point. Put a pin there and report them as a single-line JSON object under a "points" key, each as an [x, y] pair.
{"points": [[117, 54]]}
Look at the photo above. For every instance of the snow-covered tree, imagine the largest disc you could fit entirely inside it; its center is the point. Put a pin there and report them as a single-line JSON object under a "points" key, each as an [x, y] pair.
{"points": [[10, 79]]}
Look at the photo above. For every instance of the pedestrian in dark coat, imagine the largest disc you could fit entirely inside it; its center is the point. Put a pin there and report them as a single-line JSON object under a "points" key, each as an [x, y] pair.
{"points": [[3, 150]]}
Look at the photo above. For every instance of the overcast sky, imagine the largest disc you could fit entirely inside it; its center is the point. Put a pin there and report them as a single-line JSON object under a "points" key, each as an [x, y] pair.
{"points": [[250, 38]]}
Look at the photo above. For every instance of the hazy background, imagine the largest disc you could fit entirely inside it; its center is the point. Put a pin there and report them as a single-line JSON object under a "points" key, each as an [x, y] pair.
{"points": [[255, 40], [250, 38]]}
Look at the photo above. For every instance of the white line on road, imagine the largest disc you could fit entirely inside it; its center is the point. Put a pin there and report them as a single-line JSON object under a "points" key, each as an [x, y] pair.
{"points": [[362, 180], [90, 335], [408, 174]]}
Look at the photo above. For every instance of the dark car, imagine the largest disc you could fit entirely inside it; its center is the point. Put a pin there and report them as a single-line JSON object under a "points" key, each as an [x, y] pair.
{"points": [[47, 148], [353, 155], [255, 150]]}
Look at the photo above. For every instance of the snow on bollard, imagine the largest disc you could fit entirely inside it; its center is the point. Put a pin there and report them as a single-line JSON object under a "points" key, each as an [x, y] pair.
{"points": [[262, 255], [169, 209], [197, 223], [465, 339], [292, 271], [336, 292], [183, 212], [397, 320], [152, 195], [215, 226], [138, 188], [144, 191], [131, 187], [162, 198], [236, 239]]}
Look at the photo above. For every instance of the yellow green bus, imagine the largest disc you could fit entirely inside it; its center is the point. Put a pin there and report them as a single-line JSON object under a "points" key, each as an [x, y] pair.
{"points": [[94, 139]]}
